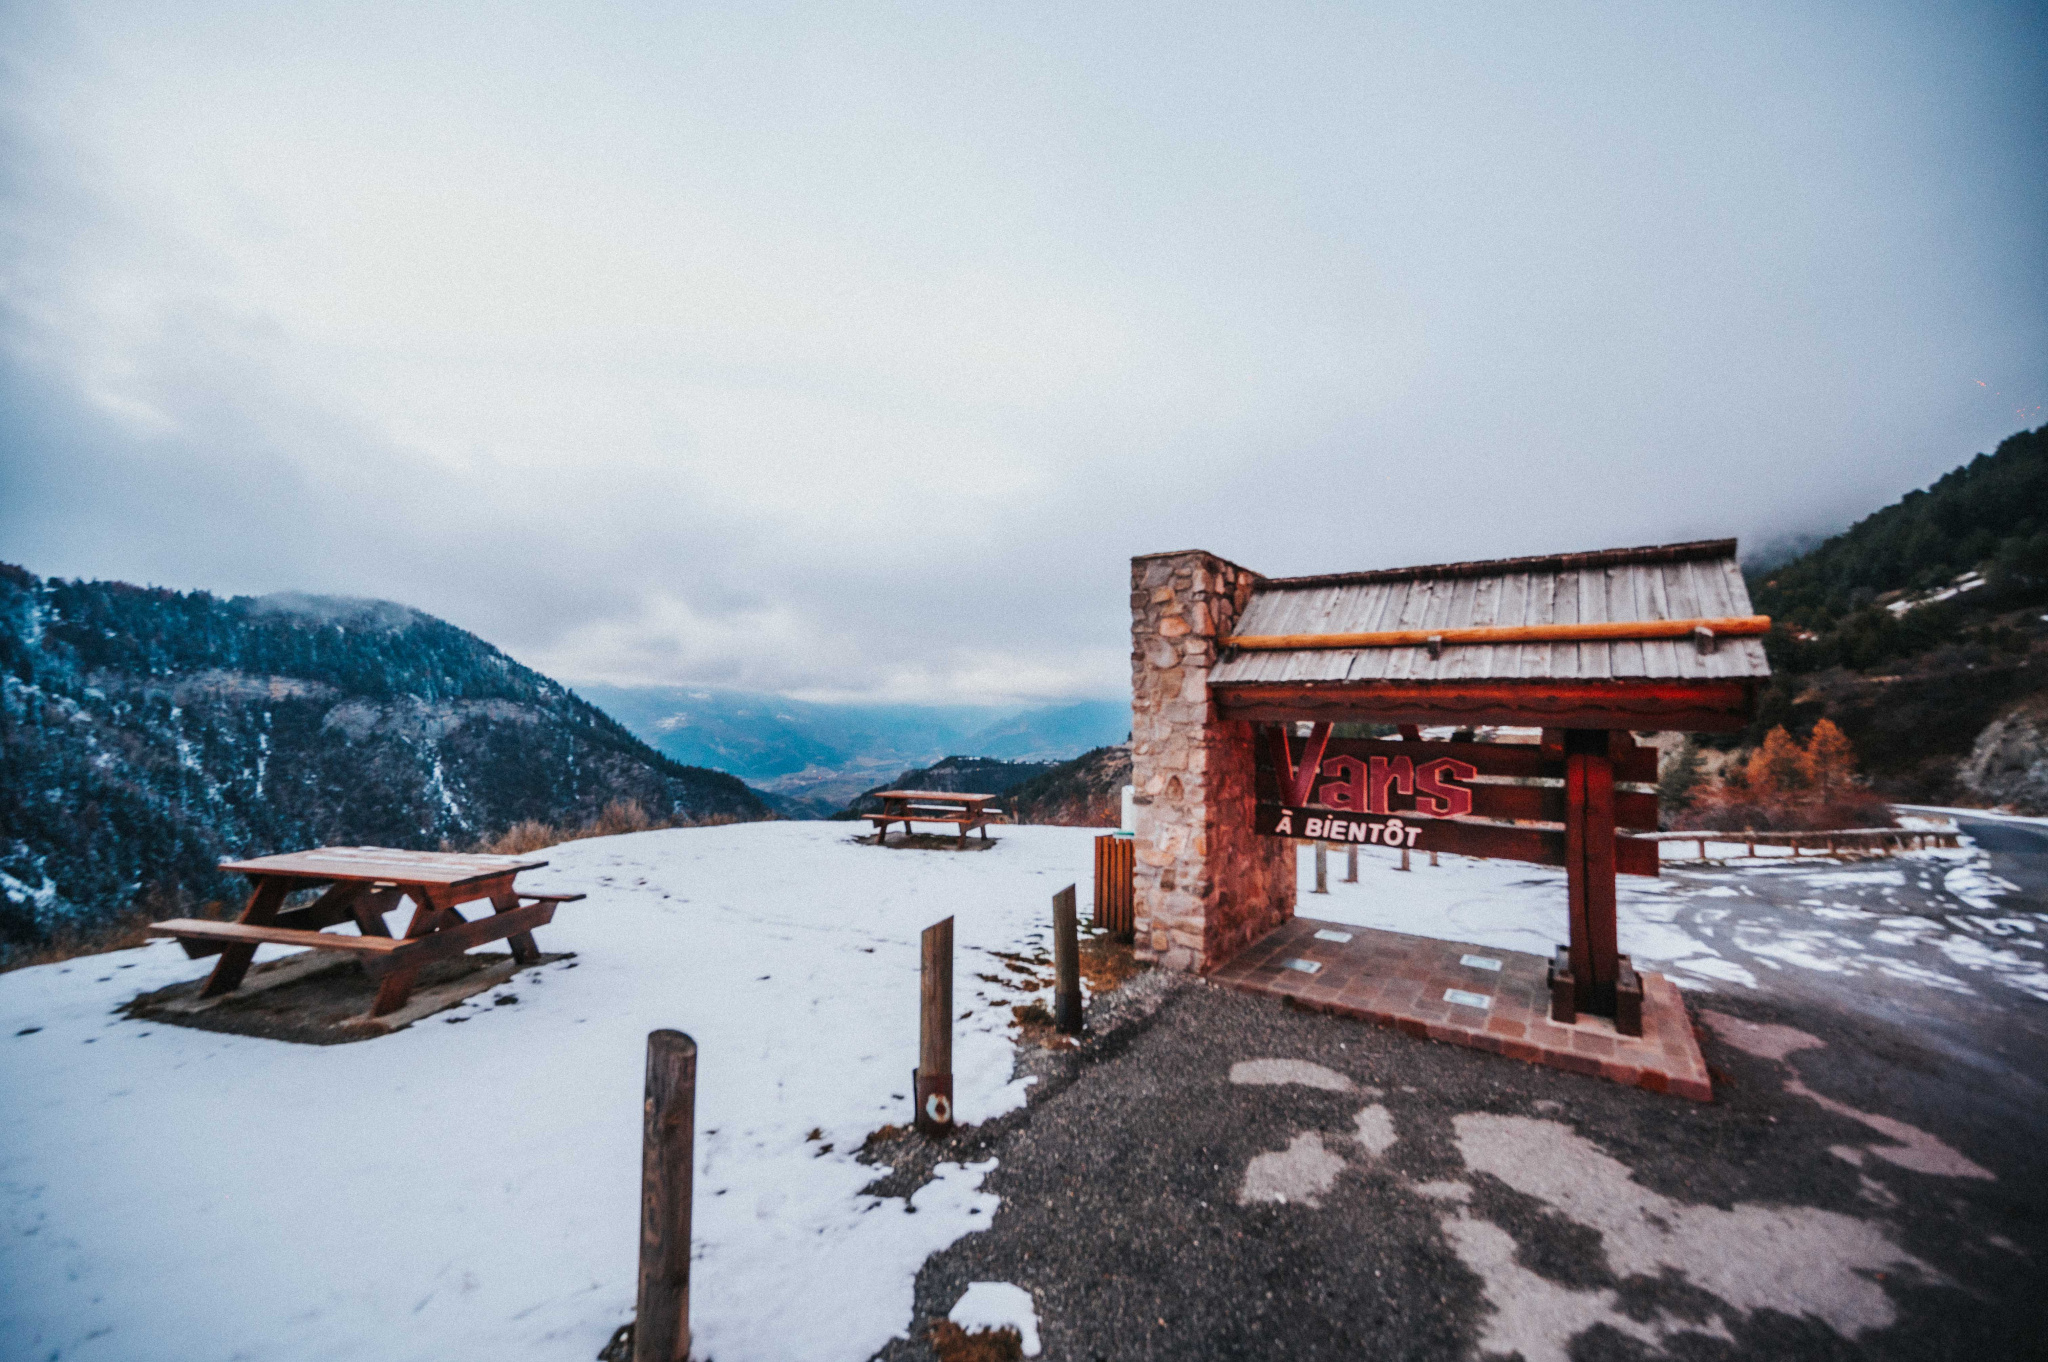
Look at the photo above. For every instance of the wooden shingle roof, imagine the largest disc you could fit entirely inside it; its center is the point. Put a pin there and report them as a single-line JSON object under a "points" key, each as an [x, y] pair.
{"points": [[1668, 582]]}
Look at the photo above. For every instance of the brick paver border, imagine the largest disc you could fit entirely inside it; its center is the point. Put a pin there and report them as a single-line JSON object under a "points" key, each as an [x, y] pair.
{"points": [[1400, 981]]}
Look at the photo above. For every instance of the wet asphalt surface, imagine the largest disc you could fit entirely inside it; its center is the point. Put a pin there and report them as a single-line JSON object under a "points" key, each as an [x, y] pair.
{"points": [[1874, 1184]]}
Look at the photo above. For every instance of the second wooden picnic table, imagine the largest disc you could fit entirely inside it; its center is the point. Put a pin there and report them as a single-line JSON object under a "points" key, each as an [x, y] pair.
{"points": [[364, 883], [965, 811]]}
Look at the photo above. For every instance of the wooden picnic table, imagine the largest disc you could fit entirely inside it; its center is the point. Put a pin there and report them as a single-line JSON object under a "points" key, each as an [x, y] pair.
{"points": [[965, 811], [364, 883]]}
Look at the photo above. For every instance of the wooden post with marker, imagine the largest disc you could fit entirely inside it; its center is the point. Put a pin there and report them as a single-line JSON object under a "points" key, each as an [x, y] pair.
{"points": [[661, 1325], [933, 1081], [1066, 963]]}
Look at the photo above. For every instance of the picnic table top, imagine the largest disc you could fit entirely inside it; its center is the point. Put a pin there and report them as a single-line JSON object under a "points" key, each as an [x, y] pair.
{"points": [[384, 864], [950, 796]]}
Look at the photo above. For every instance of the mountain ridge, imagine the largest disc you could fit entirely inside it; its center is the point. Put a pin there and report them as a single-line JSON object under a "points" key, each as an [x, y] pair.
{"points": [[147, 733], [1917, 628]]}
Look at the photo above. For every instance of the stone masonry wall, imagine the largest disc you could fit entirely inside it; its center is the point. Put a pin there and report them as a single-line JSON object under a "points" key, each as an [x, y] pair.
{"points": [[1207, 886]]}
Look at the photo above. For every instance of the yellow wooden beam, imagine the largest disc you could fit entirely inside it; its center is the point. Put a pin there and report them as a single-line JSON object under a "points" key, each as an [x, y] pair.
{"points": [[1614, 631]]}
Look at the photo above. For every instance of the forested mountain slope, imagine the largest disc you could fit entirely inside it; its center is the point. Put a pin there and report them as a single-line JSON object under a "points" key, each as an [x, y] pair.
{"points": [[145, 734], [1087, 792], [962, 775], [1921, 624]]}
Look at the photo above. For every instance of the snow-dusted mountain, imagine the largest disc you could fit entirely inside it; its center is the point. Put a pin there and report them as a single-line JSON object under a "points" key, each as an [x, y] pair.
{"points": [[145, 734]]}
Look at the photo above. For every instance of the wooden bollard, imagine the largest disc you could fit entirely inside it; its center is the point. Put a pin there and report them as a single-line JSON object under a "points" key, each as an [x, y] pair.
{"points": [[1351, 863], [668, 1128], [1322, 867], [933, 1081], [1404, 857], [1066, 963]]}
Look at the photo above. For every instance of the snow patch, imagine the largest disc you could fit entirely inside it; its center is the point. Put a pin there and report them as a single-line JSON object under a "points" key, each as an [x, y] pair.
{"points": [[998, 1305], [1300, 1173], [1274, 1072]]}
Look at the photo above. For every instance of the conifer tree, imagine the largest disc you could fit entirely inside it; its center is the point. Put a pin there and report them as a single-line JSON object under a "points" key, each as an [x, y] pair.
{"points": [[1680, 781]]}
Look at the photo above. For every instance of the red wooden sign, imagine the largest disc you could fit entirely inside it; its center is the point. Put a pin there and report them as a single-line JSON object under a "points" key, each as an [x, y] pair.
{"points": [[1476, 799]]}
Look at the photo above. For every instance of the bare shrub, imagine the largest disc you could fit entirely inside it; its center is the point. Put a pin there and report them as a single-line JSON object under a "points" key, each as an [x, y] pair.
{"points": [[620, 816], [617, 817], [123, 931], [528, 834]]}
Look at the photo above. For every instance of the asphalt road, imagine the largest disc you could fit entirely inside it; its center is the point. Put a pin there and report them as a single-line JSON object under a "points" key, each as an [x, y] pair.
{"points": [[2019, 852], [1224, 1177]]}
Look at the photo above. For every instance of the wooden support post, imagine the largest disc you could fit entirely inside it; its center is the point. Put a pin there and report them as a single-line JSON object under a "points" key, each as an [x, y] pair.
{"points": [[1628, 999], [1066, 963], [1322, 868], [234, 961], [933, 1081], [1432, 858], [1589, 868], [668, 1129], [1351, 862], [1404, 857], [1564, 994]]}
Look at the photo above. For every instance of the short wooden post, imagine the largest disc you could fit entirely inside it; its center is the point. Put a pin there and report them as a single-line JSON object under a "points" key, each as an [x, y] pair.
{"points": [[1703, 848], [1351, 862], [933, 1081], [1322, 867], [1404, 857], [1432, 858], [1066, 963], [668, 1127]]}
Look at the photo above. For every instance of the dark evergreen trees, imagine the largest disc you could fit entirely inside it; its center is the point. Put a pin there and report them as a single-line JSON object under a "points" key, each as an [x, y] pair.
{"points": [[146, 734]]}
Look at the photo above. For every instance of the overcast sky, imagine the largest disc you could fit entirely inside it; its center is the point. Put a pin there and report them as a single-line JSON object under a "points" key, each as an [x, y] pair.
{"points": [[852, 350]]}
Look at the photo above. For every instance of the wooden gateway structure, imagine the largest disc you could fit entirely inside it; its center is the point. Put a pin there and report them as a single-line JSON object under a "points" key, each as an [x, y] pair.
{"points": [[1240, 684]]}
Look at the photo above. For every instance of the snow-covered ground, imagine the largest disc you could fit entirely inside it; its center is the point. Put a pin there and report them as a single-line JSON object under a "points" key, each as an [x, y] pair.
{"points": [[469, 1187], [1719, 925], [472, 1190]]}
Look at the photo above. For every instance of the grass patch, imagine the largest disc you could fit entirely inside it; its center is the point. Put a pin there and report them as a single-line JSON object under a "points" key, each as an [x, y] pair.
{"points": [[954, 1344]]}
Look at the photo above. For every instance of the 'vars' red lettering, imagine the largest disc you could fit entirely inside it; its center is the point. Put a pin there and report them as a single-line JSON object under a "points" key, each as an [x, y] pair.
{"points": [[1432, 783]]}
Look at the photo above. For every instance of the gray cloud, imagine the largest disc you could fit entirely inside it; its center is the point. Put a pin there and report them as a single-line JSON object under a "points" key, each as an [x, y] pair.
{"points": [[855, 354]]}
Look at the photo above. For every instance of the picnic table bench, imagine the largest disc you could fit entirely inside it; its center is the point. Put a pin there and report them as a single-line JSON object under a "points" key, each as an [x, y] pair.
{"points": [[965, 811], [363, 884]]}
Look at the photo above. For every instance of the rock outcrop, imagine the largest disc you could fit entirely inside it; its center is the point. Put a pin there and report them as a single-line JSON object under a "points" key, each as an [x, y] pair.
{"points": [[2008, 764]]}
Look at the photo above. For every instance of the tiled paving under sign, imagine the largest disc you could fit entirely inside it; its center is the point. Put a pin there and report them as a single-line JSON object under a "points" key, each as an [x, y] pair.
{"points": [[1416, 984]]}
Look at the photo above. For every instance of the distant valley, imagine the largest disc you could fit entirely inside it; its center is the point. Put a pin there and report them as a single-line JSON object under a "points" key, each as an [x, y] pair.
{"points": [[811, 760]]}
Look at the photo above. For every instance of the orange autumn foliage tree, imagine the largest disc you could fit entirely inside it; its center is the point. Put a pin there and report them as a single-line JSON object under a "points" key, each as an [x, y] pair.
{"points": [[1785, 786], [1830, 761]]}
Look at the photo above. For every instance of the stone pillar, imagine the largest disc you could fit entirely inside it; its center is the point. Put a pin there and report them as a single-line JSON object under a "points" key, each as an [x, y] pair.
{"points": [[1207, 886]]}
